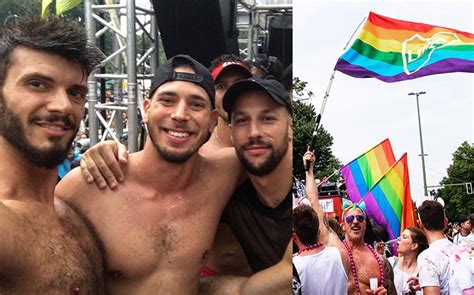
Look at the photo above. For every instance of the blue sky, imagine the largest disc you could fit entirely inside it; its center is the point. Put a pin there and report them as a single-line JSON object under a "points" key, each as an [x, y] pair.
{"points": [[362, 112]]}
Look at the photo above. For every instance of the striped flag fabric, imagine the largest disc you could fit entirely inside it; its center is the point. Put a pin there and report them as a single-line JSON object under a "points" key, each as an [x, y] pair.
{"points": [[393, 50], [361, 174], [389, 200]]}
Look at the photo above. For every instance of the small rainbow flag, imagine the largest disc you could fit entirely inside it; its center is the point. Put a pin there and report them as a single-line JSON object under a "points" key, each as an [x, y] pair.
{"points": [[362, 173], [389, 201], [394, 50]]}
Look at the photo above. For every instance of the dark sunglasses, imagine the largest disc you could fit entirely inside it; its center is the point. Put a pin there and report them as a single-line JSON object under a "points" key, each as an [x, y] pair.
{"points": [[350, 218]]}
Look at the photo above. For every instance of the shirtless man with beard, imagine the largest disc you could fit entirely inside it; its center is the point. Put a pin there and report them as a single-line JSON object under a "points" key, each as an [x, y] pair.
{"points": [[367, 262], [45, 246], [159, 225]]}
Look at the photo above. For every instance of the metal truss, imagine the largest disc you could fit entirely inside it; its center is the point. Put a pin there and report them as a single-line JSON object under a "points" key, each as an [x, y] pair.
{"points": [[122, 64]]}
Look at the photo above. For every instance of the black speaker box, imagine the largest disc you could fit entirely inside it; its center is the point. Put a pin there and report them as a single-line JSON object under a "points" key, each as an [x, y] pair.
{"points": [[280, 38], [204, 29]]}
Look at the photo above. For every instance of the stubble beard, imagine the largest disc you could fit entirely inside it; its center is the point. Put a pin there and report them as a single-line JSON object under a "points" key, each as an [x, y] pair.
{"points": [[267, 166], [12, 130]]}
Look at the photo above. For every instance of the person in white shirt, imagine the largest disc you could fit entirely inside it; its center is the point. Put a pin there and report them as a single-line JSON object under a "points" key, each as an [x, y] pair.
{"points": [[321, 269], [464, 238], [410, 244], [445, 268]]}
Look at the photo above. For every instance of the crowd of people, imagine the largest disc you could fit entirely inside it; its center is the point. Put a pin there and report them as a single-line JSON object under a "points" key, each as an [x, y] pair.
{"points": [[205, 207], [329, 258], [149, 226]]}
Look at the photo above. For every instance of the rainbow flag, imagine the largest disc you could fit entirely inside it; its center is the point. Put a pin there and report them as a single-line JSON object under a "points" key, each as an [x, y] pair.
{"points": [[362, 173], [389, 201], [394, 50]]}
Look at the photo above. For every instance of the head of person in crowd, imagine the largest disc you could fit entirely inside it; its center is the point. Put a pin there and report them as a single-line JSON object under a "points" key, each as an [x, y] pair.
{"points": [[464, 224], [412, 241], [268, 67], [260, 113], [226, 70], [381, 237], [354, 223], [180, 113], [44, 65], [431, 216], [305, 226]]}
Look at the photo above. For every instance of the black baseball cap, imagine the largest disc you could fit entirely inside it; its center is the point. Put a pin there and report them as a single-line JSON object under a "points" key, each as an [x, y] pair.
{"points": [[202, 77], [274, 88]]}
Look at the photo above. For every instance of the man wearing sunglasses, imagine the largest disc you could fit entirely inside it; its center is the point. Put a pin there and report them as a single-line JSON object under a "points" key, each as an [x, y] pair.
{"points": [[365, 262]]}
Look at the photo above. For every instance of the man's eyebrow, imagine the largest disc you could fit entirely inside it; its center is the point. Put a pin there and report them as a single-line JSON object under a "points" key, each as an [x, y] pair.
{"points": [[36, 75]]}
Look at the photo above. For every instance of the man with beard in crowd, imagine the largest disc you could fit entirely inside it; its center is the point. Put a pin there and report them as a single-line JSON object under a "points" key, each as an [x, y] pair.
{"points": [[260, 211], [365, 262], [45, 246], [163, 218]]}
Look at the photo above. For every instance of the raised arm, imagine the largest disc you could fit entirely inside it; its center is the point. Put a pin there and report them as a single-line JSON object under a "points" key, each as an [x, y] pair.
{"points": [[101, 163], [326, 236]]}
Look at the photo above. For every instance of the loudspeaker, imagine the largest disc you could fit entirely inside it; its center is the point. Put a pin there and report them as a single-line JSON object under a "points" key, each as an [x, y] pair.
{"points": [[280, 38], [204, 29]]}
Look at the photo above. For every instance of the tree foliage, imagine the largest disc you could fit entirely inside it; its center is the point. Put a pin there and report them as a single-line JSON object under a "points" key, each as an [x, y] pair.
{"points": [[456, 199], [11, 8], [304, 121]]}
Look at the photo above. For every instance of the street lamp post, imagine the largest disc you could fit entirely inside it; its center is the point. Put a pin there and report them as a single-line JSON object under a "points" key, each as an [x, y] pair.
{"points": [[421, 140]]}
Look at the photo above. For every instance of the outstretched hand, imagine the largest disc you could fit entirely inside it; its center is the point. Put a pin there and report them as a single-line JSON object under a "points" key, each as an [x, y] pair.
{"points": [[309, 159], [101, 163]]}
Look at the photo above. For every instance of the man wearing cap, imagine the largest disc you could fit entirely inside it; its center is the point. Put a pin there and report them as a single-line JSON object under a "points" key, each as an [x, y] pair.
{"points": [[226, 256], [259, 212], [158, 227], [225, 70]]}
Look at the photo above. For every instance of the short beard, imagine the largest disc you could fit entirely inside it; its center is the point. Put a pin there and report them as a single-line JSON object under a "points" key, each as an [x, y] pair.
{"points": [[12, 130], [268, 165], [175, 158]]}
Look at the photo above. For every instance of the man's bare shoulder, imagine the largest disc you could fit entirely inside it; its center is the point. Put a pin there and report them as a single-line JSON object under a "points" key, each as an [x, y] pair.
{"points": [[73, 188], [225, 158]]}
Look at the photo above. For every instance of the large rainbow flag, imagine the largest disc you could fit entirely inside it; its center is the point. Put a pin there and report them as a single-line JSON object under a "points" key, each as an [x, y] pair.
{"points": [[362, 173], [389, 200], [394, 50]]}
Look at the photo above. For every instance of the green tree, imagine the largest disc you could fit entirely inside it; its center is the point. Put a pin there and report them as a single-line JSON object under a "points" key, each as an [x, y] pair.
{"points": [[456, 199], [11, 8], [304, 121]]}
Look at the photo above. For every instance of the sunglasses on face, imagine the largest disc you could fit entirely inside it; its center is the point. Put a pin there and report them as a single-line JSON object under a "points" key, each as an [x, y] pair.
{"points": [[350, 218]]}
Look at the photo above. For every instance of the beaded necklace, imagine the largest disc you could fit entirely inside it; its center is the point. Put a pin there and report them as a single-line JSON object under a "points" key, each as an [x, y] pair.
{"points": [[353, 267], [310, 247]]}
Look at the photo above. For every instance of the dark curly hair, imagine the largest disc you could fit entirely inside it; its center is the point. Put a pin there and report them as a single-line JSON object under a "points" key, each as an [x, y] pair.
{"points": [[55, 35]]}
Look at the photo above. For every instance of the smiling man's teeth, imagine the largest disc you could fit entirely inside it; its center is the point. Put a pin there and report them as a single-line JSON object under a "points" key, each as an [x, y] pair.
{"points": [[178, 134], [53, 127]]}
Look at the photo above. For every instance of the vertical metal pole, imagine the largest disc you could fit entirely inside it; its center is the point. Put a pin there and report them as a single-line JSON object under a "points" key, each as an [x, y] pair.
{"points": [[250, 53], [155, 57], [131, 77], [117, 92], [91, 81], [421, 144]]}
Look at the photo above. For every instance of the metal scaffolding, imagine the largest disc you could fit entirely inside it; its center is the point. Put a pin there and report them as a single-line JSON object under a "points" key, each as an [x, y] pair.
{"points": [[105, 118]]}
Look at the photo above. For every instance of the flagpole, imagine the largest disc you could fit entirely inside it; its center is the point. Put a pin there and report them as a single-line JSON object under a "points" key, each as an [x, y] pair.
{"points": [[328, 89]]}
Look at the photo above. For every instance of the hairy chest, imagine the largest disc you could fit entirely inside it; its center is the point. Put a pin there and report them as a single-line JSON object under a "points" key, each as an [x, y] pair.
{"points": [[57, 256]]}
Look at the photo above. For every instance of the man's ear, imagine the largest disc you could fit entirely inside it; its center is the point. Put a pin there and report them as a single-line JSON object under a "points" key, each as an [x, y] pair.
{"points": [[146, 107], [213, 120]]}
